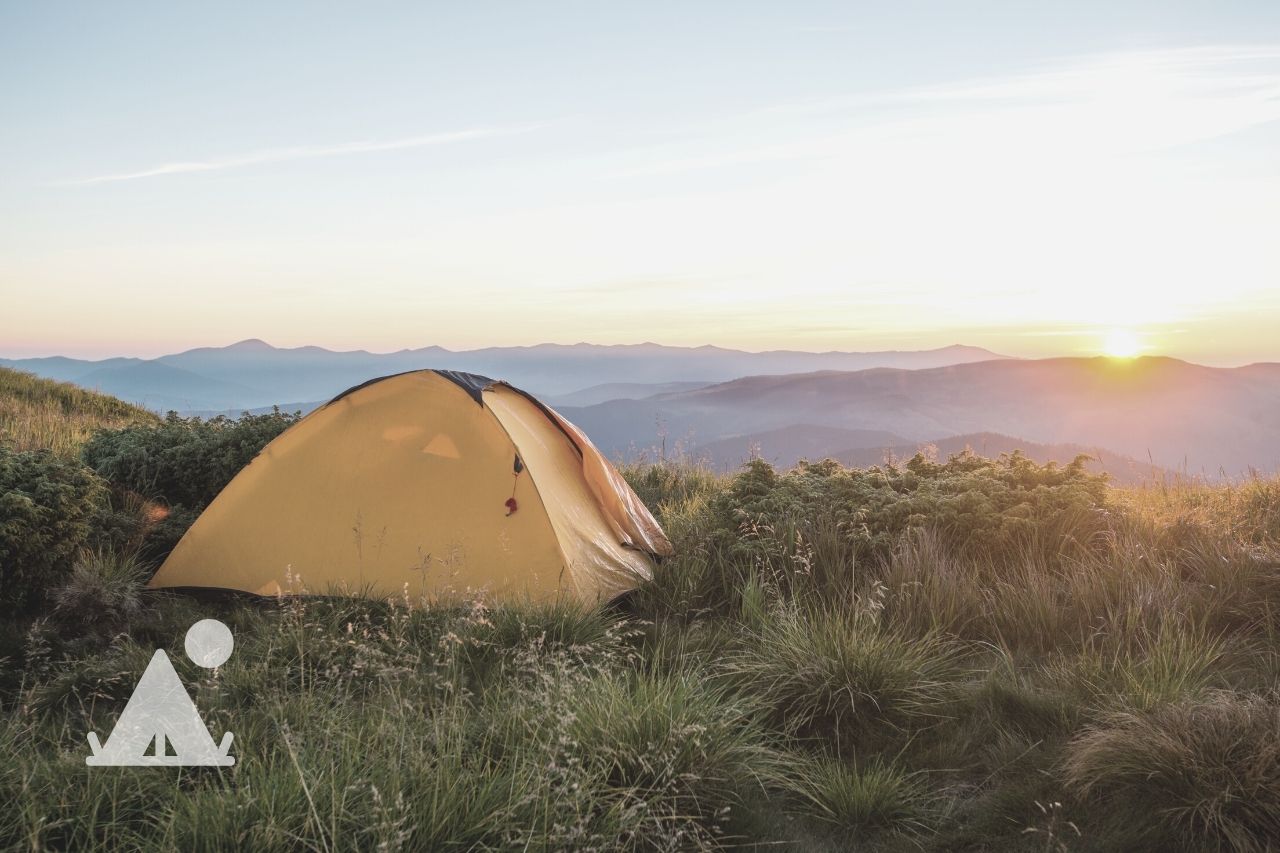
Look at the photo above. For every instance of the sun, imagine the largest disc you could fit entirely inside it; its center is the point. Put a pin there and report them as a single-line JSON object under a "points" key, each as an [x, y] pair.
{"points": [[1121, 343]]}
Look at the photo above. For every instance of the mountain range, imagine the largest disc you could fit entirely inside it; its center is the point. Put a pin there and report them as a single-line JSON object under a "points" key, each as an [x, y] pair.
{"points": [[723, 406], [1161, 411], [253, 374]]}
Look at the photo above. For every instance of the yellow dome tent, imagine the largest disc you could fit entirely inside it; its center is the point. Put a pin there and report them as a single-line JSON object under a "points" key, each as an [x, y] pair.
{"points": [[428, 483]]}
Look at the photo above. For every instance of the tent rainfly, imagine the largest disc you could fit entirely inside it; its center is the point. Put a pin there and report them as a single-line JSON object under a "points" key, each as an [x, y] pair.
{"points": [[426, 484]]}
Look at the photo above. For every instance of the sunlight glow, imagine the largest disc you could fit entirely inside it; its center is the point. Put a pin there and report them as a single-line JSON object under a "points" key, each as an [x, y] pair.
{"points": [[1122, 343]]}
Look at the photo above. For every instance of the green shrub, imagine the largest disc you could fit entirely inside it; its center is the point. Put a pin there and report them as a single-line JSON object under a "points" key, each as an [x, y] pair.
{"points": [[809, 529], [163, 535], [980, 507], [48, 509], [182, 461]]}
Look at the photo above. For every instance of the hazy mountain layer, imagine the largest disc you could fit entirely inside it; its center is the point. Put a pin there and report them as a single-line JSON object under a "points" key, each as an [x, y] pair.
{"points": [[1158, 411], [1177, 415], [253, 374]]}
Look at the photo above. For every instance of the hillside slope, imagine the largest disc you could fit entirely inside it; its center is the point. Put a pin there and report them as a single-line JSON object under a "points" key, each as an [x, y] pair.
{"points": [[39, 413]]}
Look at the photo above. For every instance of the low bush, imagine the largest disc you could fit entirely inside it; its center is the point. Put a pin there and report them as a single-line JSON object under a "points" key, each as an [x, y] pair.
{"points": [[163, 474], [182, 461], [48, 510], [809, 529]]}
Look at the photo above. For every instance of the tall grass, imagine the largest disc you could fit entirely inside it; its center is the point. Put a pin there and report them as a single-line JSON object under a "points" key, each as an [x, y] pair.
{"points": [[39, 413], [364, 725], [1197, 773], [830, 661], [990, 670], [861, 801], [844, 677]]}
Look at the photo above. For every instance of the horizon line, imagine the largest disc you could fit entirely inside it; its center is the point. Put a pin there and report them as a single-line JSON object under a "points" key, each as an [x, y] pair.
{"points": [[580, 343], [995, 356]]}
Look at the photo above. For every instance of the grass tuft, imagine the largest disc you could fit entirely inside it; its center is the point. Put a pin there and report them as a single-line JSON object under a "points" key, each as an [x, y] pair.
{"points": [[1205, 769], [859, 801], [846, 676]]}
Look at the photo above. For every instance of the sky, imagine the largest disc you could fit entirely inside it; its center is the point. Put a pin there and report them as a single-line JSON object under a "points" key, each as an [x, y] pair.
{"points": [[1039, 179]]}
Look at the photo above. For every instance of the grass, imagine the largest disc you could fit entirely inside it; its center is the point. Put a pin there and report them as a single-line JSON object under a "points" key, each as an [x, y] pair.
{"points": [[1206, 768], [819, 668], [862, 801], [38, 413], [364, 725], [843, 677]]}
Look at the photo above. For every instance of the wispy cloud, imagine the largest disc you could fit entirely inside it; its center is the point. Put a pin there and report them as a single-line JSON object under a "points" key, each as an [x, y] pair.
{"points": [[1205, 70], [1100, 105], [308, 152]]}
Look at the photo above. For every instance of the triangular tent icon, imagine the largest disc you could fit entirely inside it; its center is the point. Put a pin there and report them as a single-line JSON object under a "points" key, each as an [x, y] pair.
{"points": [[159, 714]]}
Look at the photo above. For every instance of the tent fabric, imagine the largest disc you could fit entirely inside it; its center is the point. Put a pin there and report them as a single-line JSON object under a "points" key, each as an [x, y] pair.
{"points": [[622, 505], [590, 544], [626, 512], [404, 486]]}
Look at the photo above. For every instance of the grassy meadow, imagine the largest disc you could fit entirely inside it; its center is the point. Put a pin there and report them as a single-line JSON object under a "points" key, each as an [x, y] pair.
{"points": [[971, 654], [39, 414]]}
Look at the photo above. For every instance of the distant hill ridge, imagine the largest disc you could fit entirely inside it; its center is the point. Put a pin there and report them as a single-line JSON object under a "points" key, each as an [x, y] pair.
{"points": [[1180, 416], [253, 374], [1156, 410]]}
